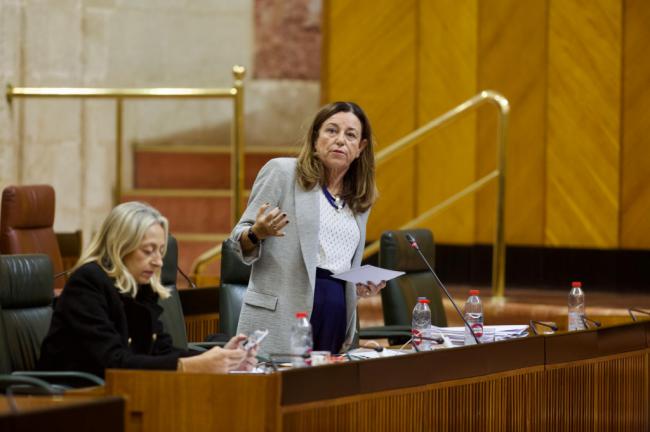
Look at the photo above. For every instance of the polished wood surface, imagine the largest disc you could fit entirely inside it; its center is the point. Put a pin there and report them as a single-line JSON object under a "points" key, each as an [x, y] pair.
{"points": [[635, 157], [68, 413], [512, 60], [590, 380], [369, 58], [583, 142], [170, 401], [445, 159], [576, 74], [199, 326]]}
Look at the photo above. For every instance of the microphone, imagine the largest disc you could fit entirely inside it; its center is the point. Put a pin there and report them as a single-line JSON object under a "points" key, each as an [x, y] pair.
{"points": [[282, 357], [534, 323], [415, 246], [632, 310], [186, 277], [58, 275], [586, 321]]}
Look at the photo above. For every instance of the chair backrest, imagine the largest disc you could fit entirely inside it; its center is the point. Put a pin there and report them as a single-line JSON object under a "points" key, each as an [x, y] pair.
{"points": [[5, 360], [26, 291], [26, 224], [234, 281], [172, 317], [400, 295]]}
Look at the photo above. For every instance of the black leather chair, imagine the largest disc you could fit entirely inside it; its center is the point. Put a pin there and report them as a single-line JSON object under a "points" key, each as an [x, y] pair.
{"points": [[400, 294], [26, 290], [234, 281], [26, 293], [172, 317]]}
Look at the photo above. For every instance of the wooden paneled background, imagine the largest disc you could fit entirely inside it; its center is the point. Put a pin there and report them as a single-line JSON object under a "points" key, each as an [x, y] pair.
{"points": [[577, 75]]}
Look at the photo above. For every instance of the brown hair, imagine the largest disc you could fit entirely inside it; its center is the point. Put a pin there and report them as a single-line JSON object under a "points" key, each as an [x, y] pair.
{"points": [[359, 190]]}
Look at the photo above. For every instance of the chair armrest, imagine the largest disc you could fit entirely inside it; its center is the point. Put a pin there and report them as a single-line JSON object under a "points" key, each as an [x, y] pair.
{"points": [[383, 332], [204, 346], [10, 384], [64, 379]]}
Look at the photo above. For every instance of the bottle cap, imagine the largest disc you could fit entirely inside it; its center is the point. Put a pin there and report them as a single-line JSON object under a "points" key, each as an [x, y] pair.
{"points": [[474, 292], [576, 284], [423, 300], [301, 314]]}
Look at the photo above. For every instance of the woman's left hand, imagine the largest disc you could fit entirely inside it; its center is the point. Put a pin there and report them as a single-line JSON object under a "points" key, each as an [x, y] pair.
{"points": [[369, 289], [250, 361]]}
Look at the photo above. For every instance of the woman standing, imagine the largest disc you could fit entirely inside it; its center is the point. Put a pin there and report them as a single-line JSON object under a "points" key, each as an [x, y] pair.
{"points": [[306, 220]]}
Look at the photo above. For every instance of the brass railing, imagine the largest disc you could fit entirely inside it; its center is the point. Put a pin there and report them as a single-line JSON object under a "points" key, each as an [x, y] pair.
{"points": [[236, 93], [498, 254]]}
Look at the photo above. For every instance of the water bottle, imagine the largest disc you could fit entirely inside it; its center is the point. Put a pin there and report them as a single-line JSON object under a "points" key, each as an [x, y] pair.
{"points": [[576, 307], [421, 324], [301, 340], [473, 312]]}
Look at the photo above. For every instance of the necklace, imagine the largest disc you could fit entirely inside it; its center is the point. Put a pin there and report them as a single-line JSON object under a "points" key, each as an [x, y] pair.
{"points": [[337, 202]]}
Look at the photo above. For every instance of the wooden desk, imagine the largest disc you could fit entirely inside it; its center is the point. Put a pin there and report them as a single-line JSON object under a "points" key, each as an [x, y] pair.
{"points": [[591, 380], [62, 413]]}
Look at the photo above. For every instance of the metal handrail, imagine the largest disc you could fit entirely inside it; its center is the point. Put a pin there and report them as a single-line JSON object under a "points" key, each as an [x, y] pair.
{"points": [[236, 93], [498, 253]]}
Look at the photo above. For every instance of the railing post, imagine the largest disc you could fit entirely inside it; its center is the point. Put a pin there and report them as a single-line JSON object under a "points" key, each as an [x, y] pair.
{"points": [[499, 248], [237, 152], [119, 136]]}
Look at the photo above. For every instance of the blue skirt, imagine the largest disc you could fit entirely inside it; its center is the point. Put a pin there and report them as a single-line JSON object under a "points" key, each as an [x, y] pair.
{"points": [[328, 315]]}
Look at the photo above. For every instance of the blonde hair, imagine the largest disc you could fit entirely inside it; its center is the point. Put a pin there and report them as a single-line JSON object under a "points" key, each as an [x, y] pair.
{"points": [[359, 190], [120, 234]]}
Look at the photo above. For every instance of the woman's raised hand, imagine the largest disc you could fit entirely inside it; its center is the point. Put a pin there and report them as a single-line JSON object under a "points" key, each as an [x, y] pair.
{"points": [[369, 289], [269, 223]]}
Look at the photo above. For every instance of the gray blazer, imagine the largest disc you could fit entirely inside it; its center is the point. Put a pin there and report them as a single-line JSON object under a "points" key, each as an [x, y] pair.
{"points": [[284, 268]]}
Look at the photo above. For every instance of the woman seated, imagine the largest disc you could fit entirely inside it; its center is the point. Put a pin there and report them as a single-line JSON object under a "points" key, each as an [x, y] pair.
{"points": [[107, 315]]}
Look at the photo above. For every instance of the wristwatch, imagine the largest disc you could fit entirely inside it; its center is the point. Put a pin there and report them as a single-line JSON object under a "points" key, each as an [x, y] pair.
{"points": [[252, 237]]}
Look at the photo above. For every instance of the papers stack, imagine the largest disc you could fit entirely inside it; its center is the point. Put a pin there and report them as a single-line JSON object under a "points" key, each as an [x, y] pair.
{"points": [[368, 273], [490, 333], [364, 353]]}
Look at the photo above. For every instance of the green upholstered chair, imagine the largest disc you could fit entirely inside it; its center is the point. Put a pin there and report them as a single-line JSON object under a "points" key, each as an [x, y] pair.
{"points": [[234, 281], [172, 317], [26, 290], [400, 294], [26, 293]]}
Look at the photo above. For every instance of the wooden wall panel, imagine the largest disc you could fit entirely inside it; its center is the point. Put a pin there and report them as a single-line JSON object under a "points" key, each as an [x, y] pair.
{"points": [[577, 75], [369, 57], [584, 82], [511, 60], [447, 76], [635, 163]]}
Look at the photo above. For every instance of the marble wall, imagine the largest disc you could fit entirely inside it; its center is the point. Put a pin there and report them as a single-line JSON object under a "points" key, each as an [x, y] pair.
{"points": [[135, 43]]}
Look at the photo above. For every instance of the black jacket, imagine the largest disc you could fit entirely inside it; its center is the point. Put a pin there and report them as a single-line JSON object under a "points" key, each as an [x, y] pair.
{"points": [[94, 327]]}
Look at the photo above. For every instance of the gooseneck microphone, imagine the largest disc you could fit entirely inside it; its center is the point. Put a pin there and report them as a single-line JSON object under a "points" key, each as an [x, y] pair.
{"points": [[415, 246]]}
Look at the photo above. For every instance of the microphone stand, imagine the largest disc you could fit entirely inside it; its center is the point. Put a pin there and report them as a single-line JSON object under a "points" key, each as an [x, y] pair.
{"points": [[415, 246], [274, 356], [186, 277]]}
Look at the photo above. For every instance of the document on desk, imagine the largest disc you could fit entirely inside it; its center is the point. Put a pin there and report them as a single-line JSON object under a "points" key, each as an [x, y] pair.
{"points": [[367, 273], [364, 353]]}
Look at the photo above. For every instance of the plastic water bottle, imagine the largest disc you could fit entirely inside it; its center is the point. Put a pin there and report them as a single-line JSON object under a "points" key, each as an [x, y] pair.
{"points": [[473, 312], [576, 307], [301, 340], [421, 324]]}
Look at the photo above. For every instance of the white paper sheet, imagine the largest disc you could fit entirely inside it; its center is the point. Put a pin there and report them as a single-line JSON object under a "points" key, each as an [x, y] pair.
{"points": [[367, 273]]}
